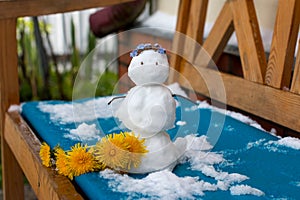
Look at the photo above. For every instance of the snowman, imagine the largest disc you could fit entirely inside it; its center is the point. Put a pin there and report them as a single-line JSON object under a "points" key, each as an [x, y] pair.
{"points": [[149, 109]]}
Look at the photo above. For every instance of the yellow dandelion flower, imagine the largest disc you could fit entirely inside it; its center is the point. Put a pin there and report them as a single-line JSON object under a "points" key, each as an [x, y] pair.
{"points": [[45, 154], [135, 144], [62, 162], [81, 161], [112, 151], [136, 148]]}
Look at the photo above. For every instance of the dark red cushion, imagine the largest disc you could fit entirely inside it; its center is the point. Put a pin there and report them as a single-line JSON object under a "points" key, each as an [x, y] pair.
{"points": [[114, 18]]}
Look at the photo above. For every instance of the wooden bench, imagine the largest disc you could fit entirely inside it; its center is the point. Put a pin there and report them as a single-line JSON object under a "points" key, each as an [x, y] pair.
{"points": [[270, 87], [19, 145]]}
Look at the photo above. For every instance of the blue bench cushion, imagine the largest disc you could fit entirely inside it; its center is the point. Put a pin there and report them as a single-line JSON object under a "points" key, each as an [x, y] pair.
{"points": [[228, 159]]}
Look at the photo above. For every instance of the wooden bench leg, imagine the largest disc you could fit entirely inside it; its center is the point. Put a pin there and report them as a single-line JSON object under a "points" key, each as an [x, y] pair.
{"points": [[12, 175], [13, 179]]}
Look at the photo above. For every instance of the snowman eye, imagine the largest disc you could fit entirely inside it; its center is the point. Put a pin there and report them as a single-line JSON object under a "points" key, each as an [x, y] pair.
{"points": [[142, 63]]}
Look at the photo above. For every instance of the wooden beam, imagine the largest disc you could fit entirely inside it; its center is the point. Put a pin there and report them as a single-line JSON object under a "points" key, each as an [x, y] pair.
{"points": [[181, 29], [195, 28], [218, 38], [250, 44], [276, 105], [178, 39], [46, 182], [197, 20], [283, 44], [9, 82], [9, 9], [12, 175], [13, 186], [296, 76]]}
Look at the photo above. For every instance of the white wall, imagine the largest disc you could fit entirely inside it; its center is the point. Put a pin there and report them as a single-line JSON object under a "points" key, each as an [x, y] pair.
{"points": [[168, 6], [265, 9]]}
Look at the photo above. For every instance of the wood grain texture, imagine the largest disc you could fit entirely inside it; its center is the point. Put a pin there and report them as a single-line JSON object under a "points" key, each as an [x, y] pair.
{"points": [[12, 9], [296, 76], [197, 20], [249, 94], [46, 183], [217, 38], [19, 148], [247, 31], [9, 82], [272, 104], [178, 41], [12, 175], [9, 94], [195, 27], [283, 44]]}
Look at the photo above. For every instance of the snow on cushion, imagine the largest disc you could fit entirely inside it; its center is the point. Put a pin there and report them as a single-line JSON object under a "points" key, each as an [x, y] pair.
{"points": [[225, 159]]}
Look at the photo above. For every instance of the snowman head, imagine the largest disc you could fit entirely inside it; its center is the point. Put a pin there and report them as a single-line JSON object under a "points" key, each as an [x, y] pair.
{"points": [[149, 64]]}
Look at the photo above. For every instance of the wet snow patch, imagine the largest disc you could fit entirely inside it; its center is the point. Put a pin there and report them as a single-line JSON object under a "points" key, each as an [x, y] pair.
{"points": [[167, 185], [245, 190], [84, 132], [66, 113], [290, 142], [181, 123]]}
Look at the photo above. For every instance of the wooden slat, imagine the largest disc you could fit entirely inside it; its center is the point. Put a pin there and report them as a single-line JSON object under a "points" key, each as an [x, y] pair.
{"points": [[249, 40], [9, 94], [197, 20], [9, 9], [9, 83], [12, 175], [46, 183], [276, 105], [178, 41], [283, 44], [195, 27], [217, 38], [181, 28], [183, 13], [296, 76]]}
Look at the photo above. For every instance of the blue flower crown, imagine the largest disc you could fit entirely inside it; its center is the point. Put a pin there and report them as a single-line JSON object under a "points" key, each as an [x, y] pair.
{"points": [[147, 46]]}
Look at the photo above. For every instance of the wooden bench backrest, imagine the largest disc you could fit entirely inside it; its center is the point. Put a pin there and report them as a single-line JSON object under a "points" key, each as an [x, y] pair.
{"points": [[44, 183], [269, 88], [10, 10]]}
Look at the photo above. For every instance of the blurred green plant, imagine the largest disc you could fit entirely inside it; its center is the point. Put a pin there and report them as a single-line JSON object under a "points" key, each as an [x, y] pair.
{"points": [[39, 75], [39, 72]]}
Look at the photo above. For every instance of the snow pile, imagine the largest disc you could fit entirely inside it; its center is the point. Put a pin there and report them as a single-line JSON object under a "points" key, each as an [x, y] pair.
{"points": [[181, 123], [290, 142], [158, 185], [167, 185], [245, 189], [14, 108], [78, 112], [90, 110], [256, 143], [84, 132], [275, 145], [203, 161], [176, 89]]}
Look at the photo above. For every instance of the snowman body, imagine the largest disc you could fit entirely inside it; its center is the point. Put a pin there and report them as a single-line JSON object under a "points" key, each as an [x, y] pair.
{"points": [[149, 109]]}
